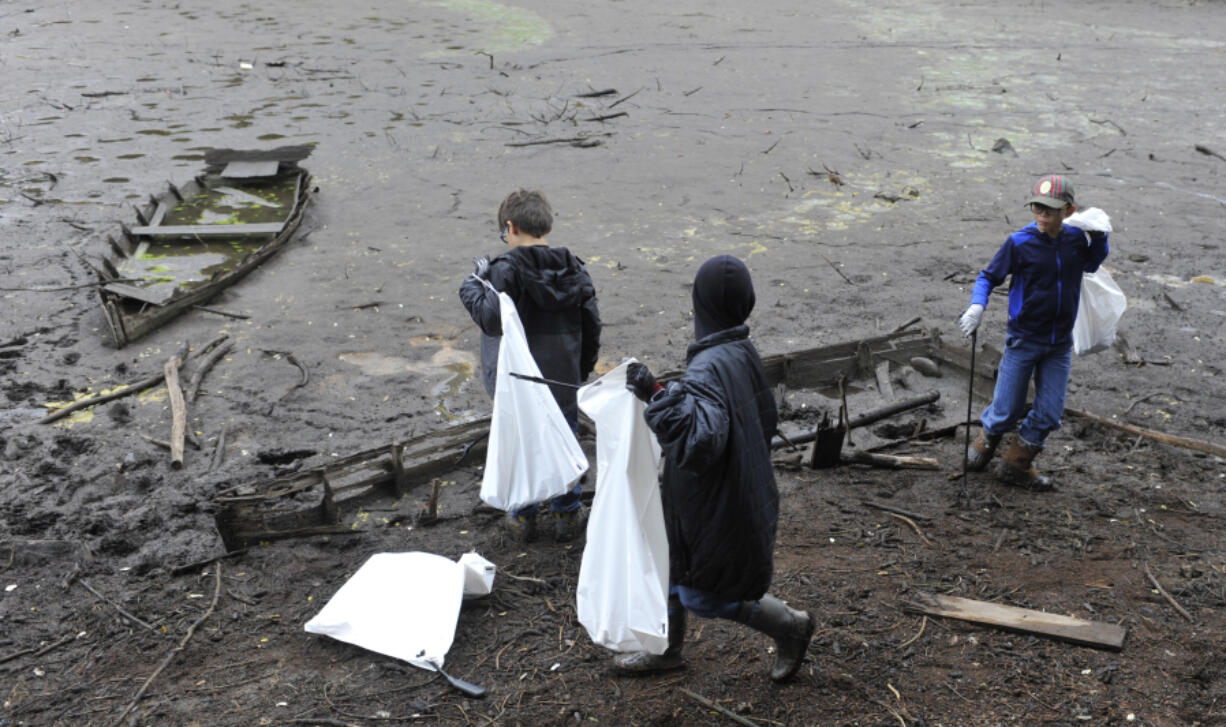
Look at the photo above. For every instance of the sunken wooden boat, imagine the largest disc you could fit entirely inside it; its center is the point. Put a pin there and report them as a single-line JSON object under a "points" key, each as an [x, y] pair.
{"points": [[324, 499], [190, 243]]}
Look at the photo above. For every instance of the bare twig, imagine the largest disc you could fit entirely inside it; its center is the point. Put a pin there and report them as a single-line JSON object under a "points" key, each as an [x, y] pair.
{"points": [[182, 643], [38, 652], [1167, 596], [914, 527], [712, 705], [116, 606], [918, 634]]}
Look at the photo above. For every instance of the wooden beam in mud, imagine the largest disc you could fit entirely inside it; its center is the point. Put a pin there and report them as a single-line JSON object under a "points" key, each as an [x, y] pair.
{"points": [[1065, 628], [261, 228]]}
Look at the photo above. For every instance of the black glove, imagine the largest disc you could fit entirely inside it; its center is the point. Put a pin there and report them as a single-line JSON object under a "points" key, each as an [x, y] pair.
{"points": [[1096, 236], [481, 268], [640, 382]]}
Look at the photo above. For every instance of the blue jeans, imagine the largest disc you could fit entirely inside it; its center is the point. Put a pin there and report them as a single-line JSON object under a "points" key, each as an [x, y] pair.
{"points": [[570, 502], [704, 604], [1049, 366]]}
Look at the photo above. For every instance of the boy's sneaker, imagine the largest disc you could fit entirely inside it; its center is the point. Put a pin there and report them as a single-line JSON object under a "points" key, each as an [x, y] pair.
{"points": [[567, 525], [521, 528]]}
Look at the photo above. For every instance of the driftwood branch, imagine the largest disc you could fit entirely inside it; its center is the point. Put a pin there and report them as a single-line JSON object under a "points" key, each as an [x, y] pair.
{"points": [[178, 410], [1167, 596], [193, 384], [219, 452], [129, 390], [892, 462], [1171, 439], [182, 643]]}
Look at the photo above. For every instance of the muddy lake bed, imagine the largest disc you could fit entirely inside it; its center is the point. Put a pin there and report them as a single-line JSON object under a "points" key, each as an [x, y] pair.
{"points": [[864, 160]]}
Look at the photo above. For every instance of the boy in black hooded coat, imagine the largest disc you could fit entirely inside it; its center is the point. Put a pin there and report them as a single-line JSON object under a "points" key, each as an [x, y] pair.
{"points": [[720, 501]]}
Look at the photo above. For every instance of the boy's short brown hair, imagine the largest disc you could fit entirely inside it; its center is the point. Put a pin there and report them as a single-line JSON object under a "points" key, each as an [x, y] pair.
{"points": [[529, 210]]}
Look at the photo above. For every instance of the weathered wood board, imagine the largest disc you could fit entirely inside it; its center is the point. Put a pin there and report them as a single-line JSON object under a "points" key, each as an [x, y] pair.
{"points": [[1065, 628]]}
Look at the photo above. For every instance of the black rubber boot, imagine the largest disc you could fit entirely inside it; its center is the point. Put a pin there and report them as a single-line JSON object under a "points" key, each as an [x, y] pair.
{"points": [[791, 630], [639, 663], [1016, 468], [982, 450]]}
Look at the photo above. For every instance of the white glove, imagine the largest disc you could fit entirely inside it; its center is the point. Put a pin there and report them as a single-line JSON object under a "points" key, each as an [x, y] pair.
{"points": [[970, 319]]}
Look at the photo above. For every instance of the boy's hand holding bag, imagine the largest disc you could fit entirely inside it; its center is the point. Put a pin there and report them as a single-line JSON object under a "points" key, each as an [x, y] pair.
{"points": [[1102, 302]]}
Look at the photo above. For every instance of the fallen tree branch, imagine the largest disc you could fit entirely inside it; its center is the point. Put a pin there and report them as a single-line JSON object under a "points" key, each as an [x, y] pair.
{"points": [[193, 384], [182, 643], [71, 287], [1166, 595], [1171, 439], [135, 388], [178, 409]]}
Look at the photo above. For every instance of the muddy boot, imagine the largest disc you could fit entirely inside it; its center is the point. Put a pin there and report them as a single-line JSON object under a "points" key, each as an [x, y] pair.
{"points": [[639, 663], [982, 450], [521, 528], [567, 526], [1016, 467], [791, 630]]}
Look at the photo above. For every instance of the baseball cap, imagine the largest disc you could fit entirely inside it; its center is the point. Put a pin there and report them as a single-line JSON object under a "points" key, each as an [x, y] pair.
{"points": [[1052, 191]]}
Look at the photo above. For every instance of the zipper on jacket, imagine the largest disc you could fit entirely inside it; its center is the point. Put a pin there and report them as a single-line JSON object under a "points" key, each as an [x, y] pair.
{"points": [[1055, 322]]}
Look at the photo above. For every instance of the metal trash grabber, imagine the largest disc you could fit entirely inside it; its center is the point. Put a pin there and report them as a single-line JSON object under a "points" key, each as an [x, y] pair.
{"points": [[551, 382], [965, 495]]}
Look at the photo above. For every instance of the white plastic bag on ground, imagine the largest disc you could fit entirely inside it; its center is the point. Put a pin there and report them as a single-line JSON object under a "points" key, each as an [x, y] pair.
{"points": [[623, 578], [1102, 302], [404, 605], [533, 455], [478, 575]]}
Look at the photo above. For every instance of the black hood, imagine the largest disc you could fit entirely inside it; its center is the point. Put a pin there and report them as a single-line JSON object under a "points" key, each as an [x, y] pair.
{"points": [[551, 276], [723, 295]]}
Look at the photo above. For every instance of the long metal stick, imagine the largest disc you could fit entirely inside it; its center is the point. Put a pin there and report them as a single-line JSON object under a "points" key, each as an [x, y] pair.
{"points": [[551, 382], [970, 393]]}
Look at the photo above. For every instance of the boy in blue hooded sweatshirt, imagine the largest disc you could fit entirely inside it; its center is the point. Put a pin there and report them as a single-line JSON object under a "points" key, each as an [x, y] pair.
{"points": [[1045, 260]]}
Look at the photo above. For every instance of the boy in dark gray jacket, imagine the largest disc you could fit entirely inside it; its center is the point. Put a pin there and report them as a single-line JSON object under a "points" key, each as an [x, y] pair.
{"points": [[556, 301]]}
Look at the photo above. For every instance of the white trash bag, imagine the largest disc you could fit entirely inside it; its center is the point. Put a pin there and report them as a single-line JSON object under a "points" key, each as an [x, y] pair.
{"points": [[404, 605], [1102, 302], [622, 592], [533, 455]]}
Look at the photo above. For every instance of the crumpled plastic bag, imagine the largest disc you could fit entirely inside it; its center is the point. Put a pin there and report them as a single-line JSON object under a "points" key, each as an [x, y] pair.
{"points": [[1102, 303], [622, 594], [404, 605]]}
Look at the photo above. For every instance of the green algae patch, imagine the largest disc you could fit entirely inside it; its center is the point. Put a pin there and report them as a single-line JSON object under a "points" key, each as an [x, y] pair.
{"points": [[507, 28]]}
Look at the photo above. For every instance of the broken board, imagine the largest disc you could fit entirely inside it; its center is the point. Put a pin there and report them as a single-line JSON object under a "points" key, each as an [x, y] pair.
{"points": [[1065, 628]]}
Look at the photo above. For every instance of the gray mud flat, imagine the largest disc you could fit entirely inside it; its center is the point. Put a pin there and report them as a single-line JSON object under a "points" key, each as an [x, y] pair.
{"points": [[864, 159]]}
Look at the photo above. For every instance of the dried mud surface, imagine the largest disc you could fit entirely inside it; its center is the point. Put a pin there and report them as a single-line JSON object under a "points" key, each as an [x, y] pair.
{"points": [[864, 159]]}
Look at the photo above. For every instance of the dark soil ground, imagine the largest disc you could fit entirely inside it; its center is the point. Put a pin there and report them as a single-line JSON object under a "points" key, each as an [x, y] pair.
{"points": [[865, 160]]}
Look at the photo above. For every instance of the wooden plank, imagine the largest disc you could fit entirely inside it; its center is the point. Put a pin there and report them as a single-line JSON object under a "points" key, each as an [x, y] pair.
{"points": [[265, 228], [1066, 628], [156, 296], [248, 169]]}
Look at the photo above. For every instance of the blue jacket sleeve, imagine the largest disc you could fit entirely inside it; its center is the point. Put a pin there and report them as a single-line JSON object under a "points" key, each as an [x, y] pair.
{"points": [[994, 274], [1097, 252], [691, 422]]}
